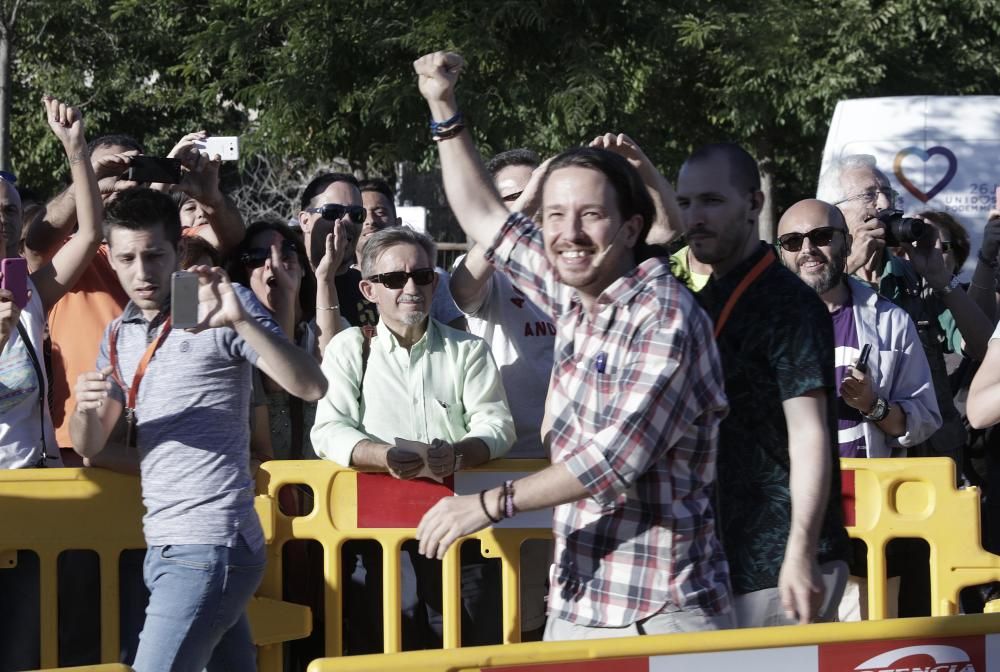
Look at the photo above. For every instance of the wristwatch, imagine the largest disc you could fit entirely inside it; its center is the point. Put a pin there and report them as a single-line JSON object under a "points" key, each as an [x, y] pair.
{"points": [[879, 411], [459, 458]]}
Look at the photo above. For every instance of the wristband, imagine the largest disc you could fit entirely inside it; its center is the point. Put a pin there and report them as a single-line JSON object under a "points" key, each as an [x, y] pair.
{"points": [[437, 126], [448, 134], [482, 503], [337, 307], [508, 500]]}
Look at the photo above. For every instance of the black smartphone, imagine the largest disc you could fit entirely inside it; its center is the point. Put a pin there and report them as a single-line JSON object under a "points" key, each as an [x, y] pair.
{"points": [[862, 364], [148, 169]]}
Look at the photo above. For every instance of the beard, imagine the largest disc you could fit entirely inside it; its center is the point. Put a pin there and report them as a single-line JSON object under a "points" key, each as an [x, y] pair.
{"points": [[832, 275]]}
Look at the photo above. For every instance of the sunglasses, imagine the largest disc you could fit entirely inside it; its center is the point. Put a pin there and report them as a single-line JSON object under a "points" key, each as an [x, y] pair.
{"points": [[335, 211], [397, 279], [820, 237], [256, 256]]}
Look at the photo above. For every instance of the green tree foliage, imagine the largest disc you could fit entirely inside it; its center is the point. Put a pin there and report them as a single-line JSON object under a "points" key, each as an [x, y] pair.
{"points": [[318, 80]]}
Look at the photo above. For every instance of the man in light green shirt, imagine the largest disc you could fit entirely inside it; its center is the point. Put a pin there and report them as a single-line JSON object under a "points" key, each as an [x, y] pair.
{"points": [[422, 381]]}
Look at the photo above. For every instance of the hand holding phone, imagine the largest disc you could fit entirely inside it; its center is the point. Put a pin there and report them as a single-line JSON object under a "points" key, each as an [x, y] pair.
{"points": [[152, 169], [226, 147], [184, 300], [15, 279], [862, 363]]}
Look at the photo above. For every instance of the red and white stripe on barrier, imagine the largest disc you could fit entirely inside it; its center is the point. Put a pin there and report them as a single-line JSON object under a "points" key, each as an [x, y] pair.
{"points": [[978, 653], [386, 502]]}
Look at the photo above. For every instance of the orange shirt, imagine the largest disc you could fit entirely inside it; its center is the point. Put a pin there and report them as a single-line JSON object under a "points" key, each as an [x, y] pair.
{"points": [[76, 325]]}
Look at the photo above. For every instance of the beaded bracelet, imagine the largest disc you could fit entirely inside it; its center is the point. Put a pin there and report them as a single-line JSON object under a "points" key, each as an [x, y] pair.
{"points": [[438, 126], [508, 499]]}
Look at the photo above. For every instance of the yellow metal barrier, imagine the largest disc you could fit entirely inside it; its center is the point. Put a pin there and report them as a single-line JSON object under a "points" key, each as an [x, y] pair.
{"points": [[52, 510], [956, 643], [917, 498]]}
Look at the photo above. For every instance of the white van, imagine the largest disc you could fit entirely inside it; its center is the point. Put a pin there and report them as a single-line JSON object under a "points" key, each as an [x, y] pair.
{"points": [[939, 152]]}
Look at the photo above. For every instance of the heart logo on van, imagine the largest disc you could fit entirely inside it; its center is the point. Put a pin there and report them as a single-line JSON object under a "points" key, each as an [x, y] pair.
{"points": [[925, 156]]}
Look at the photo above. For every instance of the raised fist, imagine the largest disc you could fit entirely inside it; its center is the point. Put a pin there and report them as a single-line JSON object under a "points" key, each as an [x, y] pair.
{"points": [[65, 121], [437, 75]]}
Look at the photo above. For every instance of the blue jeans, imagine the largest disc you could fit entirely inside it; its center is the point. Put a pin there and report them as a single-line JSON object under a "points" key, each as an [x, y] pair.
{"points": [[196, 617]]}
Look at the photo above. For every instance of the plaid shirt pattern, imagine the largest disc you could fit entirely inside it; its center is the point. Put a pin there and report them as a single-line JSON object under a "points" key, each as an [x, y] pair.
{"points": [[637, 398]]}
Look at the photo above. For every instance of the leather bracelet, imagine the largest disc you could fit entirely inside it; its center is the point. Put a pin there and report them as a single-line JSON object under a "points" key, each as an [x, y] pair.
{"points": [[482, 503]]}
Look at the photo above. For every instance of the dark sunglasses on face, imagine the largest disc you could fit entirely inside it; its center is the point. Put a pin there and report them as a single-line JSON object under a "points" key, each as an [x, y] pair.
{"points": [[397, 279], [822, 236], [335, 211], [256, 256]]}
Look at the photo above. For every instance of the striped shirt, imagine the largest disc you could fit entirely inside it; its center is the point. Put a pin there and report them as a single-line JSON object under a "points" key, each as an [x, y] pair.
{"points": [[637, 398]]}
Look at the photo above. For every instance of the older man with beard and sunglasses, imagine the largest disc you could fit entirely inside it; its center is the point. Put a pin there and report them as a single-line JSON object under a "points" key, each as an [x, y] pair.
{"points": [[427, 383], [886, 403]]}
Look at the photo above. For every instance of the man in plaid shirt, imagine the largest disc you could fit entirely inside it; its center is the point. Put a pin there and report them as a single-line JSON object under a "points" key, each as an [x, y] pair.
{"points": [[636, 397]]}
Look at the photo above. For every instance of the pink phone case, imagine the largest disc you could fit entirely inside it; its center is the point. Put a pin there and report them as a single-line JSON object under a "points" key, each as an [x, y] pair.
{"points": [[15, 279]]}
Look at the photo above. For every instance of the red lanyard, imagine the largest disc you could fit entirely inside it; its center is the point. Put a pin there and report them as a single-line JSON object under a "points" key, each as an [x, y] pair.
{"points": [[745, 283], [140, 371]]}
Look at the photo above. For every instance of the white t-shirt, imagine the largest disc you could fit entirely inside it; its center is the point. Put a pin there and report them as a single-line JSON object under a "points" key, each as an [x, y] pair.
{"points": [[20, 426], [521, 337]]}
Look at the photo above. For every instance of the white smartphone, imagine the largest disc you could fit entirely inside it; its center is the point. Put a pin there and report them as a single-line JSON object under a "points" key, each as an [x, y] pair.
{"points": [[184, 300], [226, 146]]}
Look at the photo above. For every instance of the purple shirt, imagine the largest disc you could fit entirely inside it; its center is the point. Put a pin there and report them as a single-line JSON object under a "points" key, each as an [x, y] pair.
{"points": [[850, 434]]}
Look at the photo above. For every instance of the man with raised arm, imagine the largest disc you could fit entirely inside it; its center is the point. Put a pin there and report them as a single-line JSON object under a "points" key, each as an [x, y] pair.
{"points": [[185, 399], [636, 400]]}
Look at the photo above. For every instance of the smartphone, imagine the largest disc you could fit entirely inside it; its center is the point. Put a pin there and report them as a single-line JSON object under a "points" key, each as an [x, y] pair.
{"points": [[146, 169], [862, 364], [225, 146], [15, 279], [184, 300]]}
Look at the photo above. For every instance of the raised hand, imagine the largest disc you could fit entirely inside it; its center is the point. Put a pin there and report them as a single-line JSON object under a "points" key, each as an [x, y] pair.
{"points": [[437, 74], [530, 200], [66, 123], [928, 260], [337, 244], [869, 241], [990, 248], [624, 146], [10, 314], [93, 389], [218, 304]]}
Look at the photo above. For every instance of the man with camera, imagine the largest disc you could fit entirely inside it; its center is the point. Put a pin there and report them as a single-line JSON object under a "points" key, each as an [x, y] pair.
{"points": [[922, 286]]}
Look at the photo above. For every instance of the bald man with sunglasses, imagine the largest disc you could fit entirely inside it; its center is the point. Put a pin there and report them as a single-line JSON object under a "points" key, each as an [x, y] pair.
{"points": [[886, 398], [888, 403]]}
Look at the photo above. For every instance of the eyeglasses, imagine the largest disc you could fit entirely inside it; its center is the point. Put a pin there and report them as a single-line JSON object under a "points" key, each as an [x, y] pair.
{"points": [[8, 177], [869, 197], [819, 237], [256, 256], [334, 211], [398, 279]]}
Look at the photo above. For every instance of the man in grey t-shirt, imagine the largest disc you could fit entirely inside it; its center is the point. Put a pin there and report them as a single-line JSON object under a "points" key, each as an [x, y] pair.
{"points": [[185, 398]]}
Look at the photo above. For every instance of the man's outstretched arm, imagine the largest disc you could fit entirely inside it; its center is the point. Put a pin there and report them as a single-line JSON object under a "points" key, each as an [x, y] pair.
{"points": [[471, 193]]}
